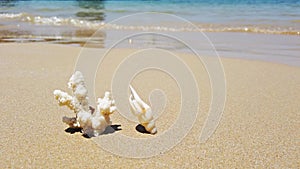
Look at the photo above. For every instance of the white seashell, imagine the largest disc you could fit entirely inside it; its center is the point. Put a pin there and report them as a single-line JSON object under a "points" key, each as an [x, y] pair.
{"points": [[142, 111]]}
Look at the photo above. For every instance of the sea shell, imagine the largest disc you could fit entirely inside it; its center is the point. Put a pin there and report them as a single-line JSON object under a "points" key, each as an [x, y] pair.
{"points": [[142, 111]]}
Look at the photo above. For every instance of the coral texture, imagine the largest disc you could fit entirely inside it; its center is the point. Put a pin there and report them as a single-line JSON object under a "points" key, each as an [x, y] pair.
{"points": [[93, 122]]}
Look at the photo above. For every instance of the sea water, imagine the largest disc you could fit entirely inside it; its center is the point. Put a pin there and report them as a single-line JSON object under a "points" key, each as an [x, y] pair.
{"points": [[75, 21]]}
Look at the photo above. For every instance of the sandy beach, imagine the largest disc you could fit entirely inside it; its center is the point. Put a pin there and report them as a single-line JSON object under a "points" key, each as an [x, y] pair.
{"points": [[259, 127]]}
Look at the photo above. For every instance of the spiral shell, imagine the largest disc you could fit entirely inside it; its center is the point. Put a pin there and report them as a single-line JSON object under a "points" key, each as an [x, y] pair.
{"points": [[142, 111]]}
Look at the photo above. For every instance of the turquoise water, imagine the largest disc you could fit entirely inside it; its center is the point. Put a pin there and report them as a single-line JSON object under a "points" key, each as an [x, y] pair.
{"points": [[271, 16], [256, 29]]}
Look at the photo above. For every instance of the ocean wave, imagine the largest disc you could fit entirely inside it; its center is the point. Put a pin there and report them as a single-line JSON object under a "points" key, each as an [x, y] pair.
{"points": [[205, 28], [55, 21], [10, 15], [176, 27]]}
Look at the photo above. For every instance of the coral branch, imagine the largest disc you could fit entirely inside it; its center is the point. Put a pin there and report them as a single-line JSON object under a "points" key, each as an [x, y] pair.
{"points": [[71, 121], [64, 99], [92, 122]]}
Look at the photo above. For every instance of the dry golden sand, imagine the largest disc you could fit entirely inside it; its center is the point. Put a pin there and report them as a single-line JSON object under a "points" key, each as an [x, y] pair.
{"points": [[259, 127]]}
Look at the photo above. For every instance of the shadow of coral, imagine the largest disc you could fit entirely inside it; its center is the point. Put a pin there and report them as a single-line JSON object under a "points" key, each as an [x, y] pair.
{"points": [[109, 130], [73, 130], [112, 128]]}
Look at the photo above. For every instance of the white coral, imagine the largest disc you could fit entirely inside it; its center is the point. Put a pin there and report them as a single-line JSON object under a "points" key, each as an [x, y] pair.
{"points": [[99, 120], [92, 122], [142, 111], [106, 106], [64, 99]]}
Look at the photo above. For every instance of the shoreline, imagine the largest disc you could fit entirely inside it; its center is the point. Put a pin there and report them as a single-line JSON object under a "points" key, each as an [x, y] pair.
{"points": [[258, 127], [273, 48]]}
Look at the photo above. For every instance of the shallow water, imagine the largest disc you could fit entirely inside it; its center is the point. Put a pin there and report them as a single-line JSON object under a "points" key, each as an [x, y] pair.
{"points": [[62, 18], [274, 25]]}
